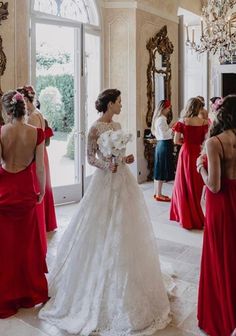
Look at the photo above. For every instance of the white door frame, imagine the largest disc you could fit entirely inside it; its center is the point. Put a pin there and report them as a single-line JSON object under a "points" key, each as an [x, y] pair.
{"points": [[74, 192]]}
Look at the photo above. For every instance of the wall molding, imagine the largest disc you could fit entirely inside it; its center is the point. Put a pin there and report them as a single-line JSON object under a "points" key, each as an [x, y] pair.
{"points": [[135, 4]]}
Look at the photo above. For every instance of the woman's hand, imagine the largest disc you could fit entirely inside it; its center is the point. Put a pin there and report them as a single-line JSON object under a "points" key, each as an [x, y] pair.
{"points": [[129, 159], [199, 161], [40, 198]]}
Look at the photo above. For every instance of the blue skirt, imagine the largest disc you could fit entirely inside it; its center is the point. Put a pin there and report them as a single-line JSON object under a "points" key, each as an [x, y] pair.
{"points": [[164, 161]]}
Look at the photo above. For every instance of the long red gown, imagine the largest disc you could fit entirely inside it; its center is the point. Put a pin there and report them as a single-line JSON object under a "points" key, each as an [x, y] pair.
{"points": [[217, 288], [23, 266], [49, 208], [46, 209], [185, 202]]}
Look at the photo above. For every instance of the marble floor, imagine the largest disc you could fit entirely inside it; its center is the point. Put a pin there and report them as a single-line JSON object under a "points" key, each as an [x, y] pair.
{"points": [[177, 247]]}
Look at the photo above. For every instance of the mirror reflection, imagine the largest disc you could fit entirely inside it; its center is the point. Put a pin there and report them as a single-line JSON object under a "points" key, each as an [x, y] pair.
{"points": [[159, 71], [160, 49]]}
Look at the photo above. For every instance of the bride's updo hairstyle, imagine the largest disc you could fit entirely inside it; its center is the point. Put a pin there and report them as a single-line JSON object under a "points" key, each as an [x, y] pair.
{"points": [[14, 105], [105, 97], [28, 92]]}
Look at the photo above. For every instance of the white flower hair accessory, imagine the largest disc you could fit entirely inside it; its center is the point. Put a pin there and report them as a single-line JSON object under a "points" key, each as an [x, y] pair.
{"points": [[29, 91], [17, 97], [218, 103]]}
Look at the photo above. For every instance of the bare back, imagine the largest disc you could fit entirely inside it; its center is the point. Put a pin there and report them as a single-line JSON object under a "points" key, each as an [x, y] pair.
{"points": [[195, 121], [227, 143], [18, 142], [36, 119]]}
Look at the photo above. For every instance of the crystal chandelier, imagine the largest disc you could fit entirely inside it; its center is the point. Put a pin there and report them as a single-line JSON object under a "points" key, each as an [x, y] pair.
{"points": [[216, 30]]}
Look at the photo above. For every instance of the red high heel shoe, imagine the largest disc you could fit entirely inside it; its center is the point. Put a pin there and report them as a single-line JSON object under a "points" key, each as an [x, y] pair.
{"points": [[162, 198]]}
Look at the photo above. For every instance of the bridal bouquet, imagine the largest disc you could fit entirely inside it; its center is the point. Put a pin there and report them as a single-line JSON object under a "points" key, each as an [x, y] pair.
{"points": [[113, 143]]}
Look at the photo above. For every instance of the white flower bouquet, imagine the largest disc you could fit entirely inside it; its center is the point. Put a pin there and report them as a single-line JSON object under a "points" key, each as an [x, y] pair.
{"points": [[113, 143]]}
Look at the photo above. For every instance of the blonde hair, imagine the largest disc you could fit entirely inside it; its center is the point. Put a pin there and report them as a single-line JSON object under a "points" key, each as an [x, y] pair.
{"points": [[157, 113], [192, 108]]}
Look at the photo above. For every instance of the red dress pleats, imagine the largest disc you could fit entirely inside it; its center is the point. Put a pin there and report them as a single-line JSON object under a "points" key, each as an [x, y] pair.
{"points": [[49, 208], [217, 288], [46, 210]]}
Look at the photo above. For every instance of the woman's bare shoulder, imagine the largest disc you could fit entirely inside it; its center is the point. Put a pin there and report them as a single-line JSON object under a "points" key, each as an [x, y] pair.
{"points": [[213, 144]]}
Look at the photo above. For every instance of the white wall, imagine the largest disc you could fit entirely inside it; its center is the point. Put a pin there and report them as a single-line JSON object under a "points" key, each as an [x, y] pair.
{"points": [[196, 69]]}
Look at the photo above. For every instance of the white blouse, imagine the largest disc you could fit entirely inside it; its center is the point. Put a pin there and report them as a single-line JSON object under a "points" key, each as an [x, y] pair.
{"points": [[162, 129]]}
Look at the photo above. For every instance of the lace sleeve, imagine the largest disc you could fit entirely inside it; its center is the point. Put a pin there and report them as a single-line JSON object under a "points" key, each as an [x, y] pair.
{"points": [[92, 148], [117, 126]]}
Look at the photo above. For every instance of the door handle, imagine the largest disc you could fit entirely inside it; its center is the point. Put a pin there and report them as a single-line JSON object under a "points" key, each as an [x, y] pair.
{"points": [[80, 133]]}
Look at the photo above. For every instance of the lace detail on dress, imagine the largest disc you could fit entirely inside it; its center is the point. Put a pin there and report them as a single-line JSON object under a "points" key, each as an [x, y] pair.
{"points": [[94, 156]]}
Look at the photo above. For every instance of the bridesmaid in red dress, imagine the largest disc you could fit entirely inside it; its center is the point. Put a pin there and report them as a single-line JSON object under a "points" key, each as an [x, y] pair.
{"points": [[23, 267], [185, 202], [217, 288], [36, 119]]}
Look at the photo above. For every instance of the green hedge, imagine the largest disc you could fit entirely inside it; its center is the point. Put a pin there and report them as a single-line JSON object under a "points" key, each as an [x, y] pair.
{"points": [[52, 107], [65, 85]]}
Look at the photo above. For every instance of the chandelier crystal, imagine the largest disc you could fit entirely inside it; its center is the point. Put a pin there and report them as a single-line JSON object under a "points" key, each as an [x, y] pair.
{"points": [[216, 30]]}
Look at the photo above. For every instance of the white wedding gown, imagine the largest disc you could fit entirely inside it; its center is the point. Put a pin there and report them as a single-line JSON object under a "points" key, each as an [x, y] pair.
{"points": [[107, 278]]}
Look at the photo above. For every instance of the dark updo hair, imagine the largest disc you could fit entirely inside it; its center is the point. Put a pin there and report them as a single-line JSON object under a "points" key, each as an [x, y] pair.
{"points": [[105, 97], [226, 116], [13, 103], [213, 99], [27, 91]]}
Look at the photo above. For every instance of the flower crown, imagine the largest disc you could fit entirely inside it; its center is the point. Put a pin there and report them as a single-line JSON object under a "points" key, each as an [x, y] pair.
{"points": [[218, 103], [167, 103], [17, 97], [29, 91]]}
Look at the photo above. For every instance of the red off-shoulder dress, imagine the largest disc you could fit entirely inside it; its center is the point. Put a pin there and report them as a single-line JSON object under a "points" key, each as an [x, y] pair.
{"points": [[185, 202]]}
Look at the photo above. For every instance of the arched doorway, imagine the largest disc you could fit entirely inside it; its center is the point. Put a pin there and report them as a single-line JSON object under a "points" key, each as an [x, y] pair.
{"points": [[66, 71]]}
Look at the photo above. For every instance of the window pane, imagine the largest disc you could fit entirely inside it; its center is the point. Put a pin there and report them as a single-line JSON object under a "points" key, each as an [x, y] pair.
{"points": [[55, 71], [93, 78], [78, 10]]}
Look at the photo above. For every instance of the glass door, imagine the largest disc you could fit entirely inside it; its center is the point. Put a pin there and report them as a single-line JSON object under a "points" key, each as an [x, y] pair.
{"points": [[92, 87], [58, 59]]}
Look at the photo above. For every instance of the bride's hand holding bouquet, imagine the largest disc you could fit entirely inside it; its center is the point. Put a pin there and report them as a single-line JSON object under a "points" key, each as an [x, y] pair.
{"points": [[112, 144], [128, 159]]}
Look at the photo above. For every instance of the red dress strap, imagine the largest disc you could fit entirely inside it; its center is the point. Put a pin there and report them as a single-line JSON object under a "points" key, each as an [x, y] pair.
{"points": [[40, 136]]}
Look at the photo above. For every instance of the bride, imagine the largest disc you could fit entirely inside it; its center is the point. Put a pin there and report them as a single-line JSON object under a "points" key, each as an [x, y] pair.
{"points": [[107, 279]]}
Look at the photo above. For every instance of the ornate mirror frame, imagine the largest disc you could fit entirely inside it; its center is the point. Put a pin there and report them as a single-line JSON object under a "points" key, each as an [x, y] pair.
{"points": [[159, 44], [3, 59]]}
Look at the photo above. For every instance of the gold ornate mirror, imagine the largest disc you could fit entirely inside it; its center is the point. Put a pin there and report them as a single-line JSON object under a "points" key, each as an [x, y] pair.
{"points": [[3, 60], [159, 71], [158, 87]]}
